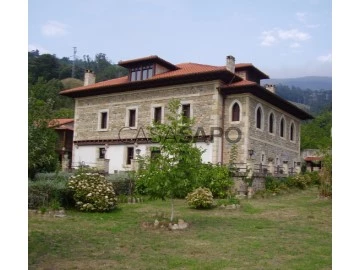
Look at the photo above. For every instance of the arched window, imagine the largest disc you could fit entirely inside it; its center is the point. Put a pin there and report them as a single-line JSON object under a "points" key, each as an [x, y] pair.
{"points": [[259, 114], [271, 123], [282, 127], [292, 132], [235, 112]]}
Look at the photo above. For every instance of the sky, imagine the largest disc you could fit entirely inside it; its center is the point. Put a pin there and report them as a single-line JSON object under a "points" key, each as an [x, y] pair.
{"points": [[283, 38]]}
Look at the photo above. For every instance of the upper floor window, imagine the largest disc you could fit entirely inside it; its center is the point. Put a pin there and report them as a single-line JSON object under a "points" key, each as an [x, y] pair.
{"points": [[103, 119], [157, 114], [186, 110], [282, 127], [271, 123], [259, 117], [132, 117], [235, 112], [292, 132], [141, 73]]}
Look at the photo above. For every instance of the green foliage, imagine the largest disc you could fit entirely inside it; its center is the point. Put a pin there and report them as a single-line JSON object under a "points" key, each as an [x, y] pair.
{"points": [[317, 100], [316, 134], [200, 198], [216, 178], [228, 201], [49, 193], [41, 140], [92, 192], [276, 185], [325, 176], [173, 173]]}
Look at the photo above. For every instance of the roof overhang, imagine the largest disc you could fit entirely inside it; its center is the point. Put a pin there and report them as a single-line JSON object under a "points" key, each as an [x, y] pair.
{"points": [[252, 68], [223, 75], [269, 97], [147, 60]]}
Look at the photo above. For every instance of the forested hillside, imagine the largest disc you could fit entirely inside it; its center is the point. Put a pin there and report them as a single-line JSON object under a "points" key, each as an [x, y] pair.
{"points": [[47, 76], [317, 100]]}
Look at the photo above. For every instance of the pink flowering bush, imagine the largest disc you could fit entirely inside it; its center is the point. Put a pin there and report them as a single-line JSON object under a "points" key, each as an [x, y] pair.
{"points": [[92, 192]]}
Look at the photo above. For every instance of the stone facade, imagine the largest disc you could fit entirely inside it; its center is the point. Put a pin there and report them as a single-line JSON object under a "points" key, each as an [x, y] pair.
{"points": [[206, 107], [110, 119]]}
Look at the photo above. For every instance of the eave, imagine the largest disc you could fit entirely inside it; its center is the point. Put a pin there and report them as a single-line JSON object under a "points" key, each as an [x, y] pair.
{"points": [[268, 96], [93, 90]]}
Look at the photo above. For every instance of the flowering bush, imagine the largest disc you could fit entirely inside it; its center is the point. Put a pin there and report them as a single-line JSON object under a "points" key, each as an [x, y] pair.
{"points": [[92, 192], [200, 198]]}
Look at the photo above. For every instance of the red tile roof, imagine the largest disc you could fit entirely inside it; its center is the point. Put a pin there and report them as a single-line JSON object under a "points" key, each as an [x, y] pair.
{"points": [[184, 69], [62, 123]]}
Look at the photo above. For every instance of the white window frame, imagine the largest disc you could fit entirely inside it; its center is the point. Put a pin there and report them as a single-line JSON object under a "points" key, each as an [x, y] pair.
{"points": [[262, 124], [231, 110], [127, 116], [162, 112], [100, 112]]}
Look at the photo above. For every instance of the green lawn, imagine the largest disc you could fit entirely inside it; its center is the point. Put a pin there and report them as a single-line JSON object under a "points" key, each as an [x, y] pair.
{"points": [[290, 231]]}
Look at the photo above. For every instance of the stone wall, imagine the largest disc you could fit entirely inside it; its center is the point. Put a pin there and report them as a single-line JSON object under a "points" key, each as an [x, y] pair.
{"points": [[203, 97], [272, 145], [231, 128]]}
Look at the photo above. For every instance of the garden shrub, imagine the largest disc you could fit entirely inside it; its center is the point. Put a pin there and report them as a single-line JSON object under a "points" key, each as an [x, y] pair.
{"points": [[200, 198], [92, 192], [123, 183], [53, 176], [277, 185], [216, 178], [302, 181], [315, 178], [47, 193]]}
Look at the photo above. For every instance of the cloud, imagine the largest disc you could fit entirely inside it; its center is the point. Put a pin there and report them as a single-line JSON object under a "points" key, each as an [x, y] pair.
{"points": [[293, 34], [325, 58], [313, 25], [301, 16], [294, 45], [54, 29], [34, 47], [270, 37]]}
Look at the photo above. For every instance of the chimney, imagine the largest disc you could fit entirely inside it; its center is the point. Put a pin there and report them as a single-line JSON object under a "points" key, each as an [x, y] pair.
{"points": [[270, 87], [230, 63], [89, 77]]}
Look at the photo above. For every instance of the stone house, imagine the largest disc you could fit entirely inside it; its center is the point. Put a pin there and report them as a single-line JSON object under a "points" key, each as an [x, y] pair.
{"points": [[228, 103], [64, 128]]}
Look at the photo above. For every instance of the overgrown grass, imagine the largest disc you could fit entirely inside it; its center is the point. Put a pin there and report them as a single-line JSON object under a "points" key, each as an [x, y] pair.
{"points": [[291, 231]]}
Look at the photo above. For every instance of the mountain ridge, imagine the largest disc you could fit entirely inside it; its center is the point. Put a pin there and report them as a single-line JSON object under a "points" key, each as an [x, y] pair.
{"points": [[306, 82]]}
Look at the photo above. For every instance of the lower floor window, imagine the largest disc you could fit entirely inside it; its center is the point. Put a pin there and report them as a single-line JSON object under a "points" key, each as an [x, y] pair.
{"points": [[130, 155], [102, 152]]}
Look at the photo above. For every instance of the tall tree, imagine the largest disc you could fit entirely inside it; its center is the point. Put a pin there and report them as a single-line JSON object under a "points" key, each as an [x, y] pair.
{"points": [[41, 139], [173, 172]]}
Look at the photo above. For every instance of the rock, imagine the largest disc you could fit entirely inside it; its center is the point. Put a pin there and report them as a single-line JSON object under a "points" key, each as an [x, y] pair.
{"points": [[156, 223], [60, 215], [175, 227], [182, 224]]}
